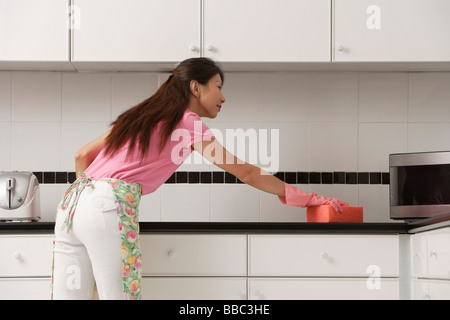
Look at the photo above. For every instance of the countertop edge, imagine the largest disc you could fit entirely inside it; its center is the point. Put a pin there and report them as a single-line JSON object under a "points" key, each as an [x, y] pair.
{"points": [[231, 227]]}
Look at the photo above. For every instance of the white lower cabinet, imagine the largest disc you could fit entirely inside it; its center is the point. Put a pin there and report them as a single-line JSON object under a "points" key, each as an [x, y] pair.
{"points": [[323, 267], [194, 255], [25, 288], [174, 288], [234, 267], [26, 267], [427, 289], [324, 255], [26, 255], [270, 266], [194, 267], [322, 289], [430, 265]]}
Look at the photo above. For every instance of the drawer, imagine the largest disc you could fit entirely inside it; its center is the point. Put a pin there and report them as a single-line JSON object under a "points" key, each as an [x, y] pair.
{"points": [[430, 254], [25, 288], [423, 289], [419, 260], [321, 289], [26, 255], [199, 255], [438, 245], [324, 255], [201, 288]]}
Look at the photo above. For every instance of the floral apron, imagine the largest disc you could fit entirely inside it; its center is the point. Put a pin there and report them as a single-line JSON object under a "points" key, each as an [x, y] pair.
{"points": [[128, 196]]}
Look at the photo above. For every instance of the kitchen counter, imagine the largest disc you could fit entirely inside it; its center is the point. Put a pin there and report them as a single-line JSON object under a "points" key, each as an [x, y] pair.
{"points": [[395, 227], [231, 227]]}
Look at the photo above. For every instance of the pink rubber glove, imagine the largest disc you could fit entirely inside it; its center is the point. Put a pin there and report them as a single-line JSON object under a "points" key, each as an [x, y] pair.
{"points": [[295, 197]]}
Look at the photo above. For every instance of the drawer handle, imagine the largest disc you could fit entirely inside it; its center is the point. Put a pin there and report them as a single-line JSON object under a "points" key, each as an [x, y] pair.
{"points": [[324, 255], [426, 296], [171, 254], [433, 253], [16, 255], [239, 294]]}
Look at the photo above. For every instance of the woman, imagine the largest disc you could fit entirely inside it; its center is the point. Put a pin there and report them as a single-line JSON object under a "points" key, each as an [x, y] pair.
{"points": [[97, 230]]}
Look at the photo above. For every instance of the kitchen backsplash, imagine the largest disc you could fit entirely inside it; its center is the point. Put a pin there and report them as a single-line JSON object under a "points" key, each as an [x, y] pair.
{"points": [[332, 135]]}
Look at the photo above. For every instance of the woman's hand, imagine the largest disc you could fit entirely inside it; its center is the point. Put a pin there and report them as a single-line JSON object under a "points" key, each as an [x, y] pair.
{"points": [[295, 197]]}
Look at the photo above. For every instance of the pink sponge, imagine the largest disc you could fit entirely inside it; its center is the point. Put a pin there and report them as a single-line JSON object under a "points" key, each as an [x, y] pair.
{"points": [[326, 213]]}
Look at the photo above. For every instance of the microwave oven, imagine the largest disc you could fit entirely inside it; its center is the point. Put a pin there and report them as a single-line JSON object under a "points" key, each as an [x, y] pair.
{"points": [[419, 184]]}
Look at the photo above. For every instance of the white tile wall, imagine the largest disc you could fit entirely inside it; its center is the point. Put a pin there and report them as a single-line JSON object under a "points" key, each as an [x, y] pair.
{"points": [[383, 97], [333, 146], [86, 97], [286, 90], [181, 203], [36, 97], [326, 122], [429, 97], [376, 141], [333, 97], [5, 96]]}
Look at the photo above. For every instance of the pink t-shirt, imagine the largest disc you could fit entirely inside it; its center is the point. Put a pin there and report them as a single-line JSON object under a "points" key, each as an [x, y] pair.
{"points": [[156, 167]]}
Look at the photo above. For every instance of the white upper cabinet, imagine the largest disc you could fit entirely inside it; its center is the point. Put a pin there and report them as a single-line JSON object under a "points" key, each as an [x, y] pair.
{"points": [[267, 30], [391, 31], [34, 30], [137, 35], [136, 30]]}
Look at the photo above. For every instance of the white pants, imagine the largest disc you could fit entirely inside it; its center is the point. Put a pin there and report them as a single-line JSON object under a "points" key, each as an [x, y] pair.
{"points": [[91, 249]]}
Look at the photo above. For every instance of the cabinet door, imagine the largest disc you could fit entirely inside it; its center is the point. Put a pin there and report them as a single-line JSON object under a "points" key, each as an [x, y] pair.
{"points": [[267, 30], [386, 30], [34, 30], [321, 289], [371, 256], [25, 288], [194, 288], [423, 289], [26, 255], [136, 31], [419, 261], [438, 244], [198, 255]]}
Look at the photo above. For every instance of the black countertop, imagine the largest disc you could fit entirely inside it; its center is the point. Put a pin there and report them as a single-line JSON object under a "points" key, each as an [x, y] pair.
{"points": [[230, 227], [394, 227]]}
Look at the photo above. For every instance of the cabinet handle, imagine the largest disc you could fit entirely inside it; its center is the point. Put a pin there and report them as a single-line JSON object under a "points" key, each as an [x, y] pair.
{"points": [[17, 255], [426, 296], [340, 48], [433, 253], [210, 48], [239, 294], [324, 255], [193, 48]]}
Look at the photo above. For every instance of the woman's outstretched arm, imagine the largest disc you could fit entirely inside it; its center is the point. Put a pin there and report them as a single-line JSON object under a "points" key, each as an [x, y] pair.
{"points": [[249, 174], [258, 178]]}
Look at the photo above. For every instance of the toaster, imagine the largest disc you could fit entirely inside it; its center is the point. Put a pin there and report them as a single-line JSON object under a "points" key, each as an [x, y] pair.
{"points": [[19, 197]]}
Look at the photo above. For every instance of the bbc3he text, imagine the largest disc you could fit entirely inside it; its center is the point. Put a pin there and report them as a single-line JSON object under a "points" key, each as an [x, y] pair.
{"points": [[228, 309]]}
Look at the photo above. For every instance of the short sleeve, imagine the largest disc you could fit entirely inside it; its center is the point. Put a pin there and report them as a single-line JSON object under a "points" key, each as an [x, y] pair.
{"points": [[197, 130]]}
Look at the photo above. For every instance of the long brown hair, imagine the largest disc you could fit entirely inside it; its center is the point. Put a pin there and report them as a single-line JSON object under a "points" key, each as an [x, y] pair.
{"points": [[167, 106]]}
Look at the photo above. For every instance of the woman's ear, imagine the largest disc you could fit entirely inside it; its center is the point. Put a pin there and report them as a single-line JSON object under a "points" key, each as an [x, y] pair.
{"points": [[195, 88]]}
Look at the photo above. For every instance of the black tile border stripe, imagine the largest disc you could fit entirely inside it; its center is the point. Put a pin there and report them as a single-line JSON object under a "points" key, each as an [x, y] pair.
{"points": [[222, 177]]}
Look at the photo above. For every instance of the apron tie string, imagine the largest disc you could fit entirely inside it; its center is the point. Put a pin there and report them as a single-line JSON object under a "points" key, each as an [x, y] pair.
{"points": [[76, 188]]}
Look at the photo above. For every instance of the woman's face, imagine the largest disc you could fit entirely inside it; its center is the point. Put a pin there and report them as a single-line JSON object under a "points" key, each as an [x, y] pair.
{"points": [[210, 98]]}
